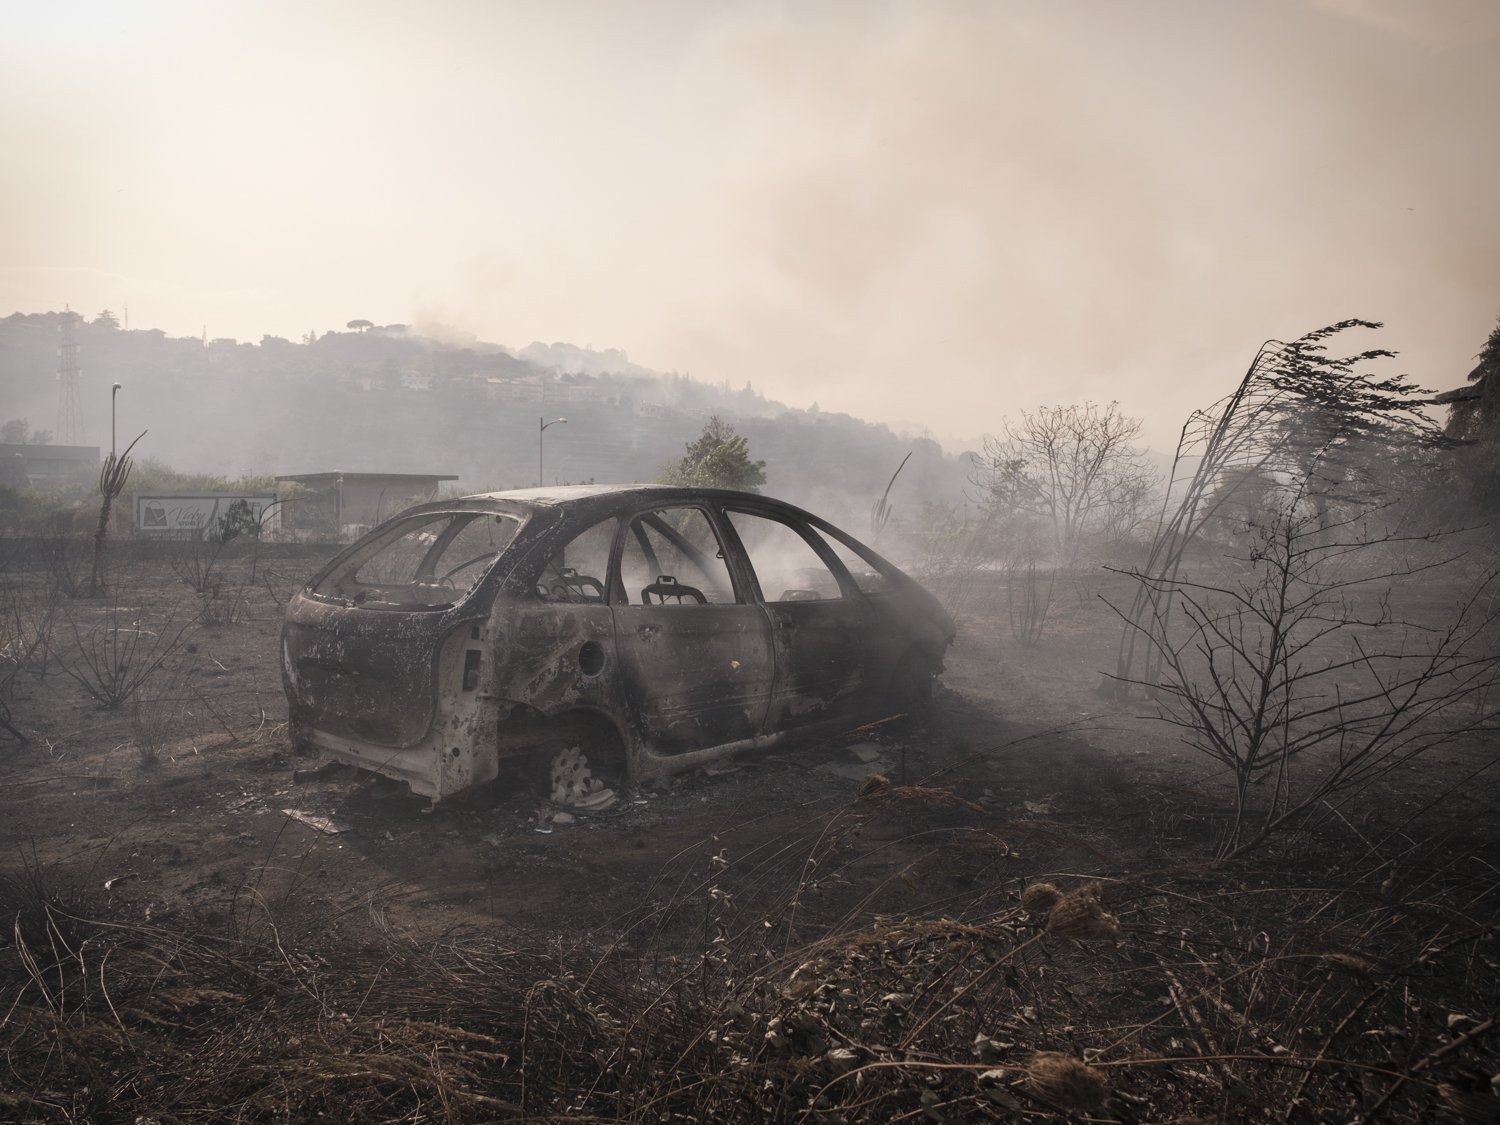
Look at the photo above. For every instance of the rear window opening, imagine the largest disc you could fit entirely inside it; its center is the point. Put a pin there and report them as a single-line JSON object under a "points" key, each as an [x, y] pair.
{"points": [[431, 561]]}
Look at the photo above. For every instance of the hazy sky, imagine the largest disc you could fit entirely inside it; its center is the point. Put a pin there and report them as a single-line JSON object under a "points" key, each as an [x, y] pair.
{"points": [[930, 214]]}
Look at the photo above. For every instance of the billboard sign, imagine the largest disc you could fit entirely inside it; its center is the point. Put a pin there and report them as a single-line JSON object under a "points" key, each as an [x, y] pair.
{"points": [[190, 515]]}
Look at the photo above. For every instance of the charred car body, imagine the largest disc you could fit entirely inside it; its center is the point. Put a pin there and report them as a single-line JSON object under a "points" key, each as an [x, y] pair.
{"points": [[655, 628]]}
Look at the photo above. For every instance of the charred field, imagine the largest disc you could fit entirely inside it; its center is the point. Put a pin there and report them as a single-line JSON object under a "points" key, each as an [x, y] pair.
{"points": [[1017, 906]]}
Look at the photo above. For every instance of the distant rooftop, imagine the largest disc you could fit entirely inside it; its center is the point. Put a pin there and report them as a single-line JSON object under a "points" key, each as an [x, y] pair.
{"points": [[315, 478], [50, 452]]}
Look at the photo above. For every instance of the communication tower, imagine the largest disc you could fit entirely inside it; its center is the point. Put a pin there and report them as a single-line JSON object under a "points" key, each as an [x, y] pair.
{"points": [[67, 378]]}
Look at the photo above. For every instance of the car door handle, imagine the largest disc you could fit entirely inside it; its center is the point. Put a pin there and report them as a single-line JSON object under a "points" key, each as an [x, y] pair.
{"points": [[648, 630]]}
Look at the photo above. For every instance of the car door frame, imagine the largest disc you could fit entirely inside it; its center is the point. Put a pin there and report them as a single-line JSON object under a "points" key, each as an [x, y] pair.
{"points": [[728, 644], [825, 665]]}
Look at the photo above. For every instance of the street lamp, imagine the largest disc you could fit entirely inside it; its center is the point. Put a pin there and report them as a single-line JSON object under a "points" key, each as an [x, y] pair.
{"points": [[541, 428], [114, 389]]}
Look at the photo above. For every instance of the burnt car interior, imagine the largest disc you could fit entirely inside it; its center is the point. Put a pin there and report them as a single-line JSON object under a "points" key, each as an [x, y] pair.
{"points": [[674, 553], [576, 572], [430, 562], [786, 562], [673, 557], [666, 587]]}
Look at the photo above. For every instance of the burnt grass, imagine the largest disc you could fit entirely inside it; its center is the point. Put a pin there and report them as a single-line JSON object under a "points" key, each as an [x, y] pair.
{"points": [[777, 940]]}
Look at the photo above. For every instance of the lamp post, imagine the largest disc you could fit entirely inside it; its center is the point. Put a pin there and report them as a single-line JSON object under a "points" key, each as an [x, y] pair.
{"points": [[114, 389], [541, 428]]}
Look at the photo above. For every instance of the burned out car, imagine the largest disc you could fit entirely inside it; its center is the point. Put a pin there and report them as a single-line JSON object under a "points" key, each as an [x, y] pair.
{"points": [[642, 629]]}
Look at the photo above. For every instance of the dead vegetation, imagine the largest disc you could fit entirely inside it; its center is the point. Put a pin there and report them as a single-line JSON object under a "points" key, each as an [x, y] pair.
{"points": [[769, 986], [119, 648], [27, 618]]}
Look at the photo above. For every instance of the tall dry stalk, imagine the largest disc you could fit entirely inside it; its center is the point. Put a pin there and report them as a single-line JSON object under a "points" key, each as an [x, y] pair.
{"points": [[1295, 407], [113, 476], [880, 511]]}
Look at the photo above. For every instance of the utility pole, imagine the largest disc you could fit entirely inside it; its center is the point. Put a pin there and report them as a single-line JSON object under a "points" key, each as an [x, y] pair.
{"points": [[541, 428]]}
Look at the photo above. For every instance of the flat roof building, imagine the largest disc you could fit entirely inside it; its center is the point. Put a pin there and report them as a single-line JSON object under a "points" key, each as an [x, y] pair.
{"points": [[44, 465], [347, 504]]}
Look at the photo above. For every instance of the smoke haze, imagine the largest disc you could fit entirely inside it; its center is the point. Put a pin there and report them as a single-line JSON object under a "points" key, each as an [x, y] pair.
{"points": [[933, 214]]}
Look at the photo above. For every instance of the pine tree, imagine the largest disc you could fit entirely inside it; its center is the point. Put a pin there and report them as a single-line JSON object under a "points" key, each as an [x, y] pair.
{"points": [[719, 458]]}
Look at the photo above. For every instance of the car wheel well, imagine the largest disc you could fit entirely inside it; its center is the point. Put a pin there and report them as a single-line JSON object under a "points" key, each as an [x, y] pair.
{"points": [[529, 732]]}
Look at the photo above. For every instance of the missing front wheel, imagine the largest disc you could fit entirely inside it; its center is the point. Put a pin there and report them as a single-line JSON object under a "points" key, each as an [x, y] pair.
{"points": [[572, 784]]}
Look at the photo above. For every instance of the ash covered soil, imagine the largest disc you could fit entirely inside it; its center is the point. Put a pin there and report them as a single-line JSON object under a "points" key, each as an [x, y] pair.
{"points": [[1205, 989], [1018, 732]]}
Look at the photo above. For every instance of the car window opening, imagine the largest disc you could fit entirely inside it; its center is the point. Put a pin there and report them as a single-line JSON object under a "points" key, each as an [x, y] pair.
{"points": [[786, 564], [576, 572], [429, 562], [673, 557]]}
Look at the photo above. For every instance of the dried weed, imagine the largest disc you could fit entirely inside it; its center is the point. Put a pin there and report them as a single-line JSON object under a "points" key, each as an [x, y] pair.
{"points": [[1078, 915], [1065, 1081]]}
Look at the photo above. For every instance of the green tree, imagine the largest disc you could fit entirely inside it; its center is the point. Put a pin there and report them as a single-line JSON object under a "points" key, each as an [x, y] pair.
{"points": [[719, 458], [19, 432], [106, 319], [1474, 423], [1474, 412]]}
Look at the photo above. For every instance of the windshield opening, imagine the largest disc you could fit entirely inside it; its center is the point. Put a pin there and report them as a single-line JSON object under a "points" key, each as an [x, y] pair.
{"points": [[426, 562]]}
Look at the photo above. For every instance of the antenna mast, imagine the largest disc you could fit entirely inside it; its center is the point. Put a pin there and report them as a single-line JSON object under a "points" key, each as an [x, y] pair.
{"points": [[67, 378]]}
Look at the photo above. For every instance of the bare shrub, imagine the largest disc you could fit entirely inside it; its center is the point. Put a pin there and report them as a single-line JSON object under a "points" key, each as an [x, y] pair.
{"points": [[1304, 667], [1028, 600], [202, 563], [953, 549], [118, 648], [63, 556], [195, 560], [27, 620], [226, 601], [159, 712]]}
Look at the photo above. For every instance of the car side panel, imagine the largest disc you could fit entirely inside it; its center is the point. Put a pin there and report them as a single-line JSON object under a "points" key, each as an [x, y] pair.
{"points": [[554, 657], [826, 653], [695, 675]]}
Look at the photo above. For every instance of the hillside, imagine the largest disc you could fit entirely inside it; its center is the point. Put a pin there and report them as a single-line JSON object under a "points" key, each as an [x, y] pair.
{"points": [[388, 399]]}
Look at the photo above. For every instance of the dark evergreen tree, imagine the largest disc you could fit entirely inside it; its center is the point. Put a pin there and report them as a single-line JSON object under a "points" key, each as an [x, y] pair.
{"points": [[719, 458]]}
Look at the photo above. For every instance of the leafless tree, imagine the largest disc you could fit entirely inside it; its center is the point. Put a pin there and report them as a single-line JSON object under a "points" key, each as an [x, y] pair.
{"points": [[1072, 466]]}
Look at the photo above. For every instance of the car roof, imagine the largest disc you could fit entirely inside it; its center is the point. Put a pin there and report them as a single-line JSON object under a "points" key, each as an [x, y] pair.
{"points": [[589, 501], [567, 494], [579, 503]]}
